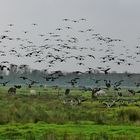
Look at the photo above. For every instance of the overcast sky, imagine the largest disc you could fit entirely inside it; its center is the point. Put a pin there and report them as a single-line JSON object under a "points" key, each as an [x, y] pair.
{"points": [[114, 18]]}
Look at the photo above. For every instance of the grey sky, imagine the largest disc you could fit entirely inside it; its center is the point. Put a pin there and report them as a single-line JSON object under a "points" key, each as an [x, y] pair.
{"points": [[109, 16], [113, 18]]}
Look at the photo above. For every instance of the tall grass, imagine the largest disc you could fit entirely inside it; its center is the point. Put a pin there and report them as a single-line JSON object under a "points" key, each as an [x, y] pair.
{"points": [[129, 115]]}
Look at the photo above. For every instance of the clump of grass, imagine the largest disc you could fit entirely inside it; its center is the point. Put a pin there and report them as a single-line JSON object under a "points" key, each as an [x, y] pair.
{"points": [[3, 118], [128, 115], [40, 114], [30, 136], [50, 135], [12, 133], [100, 117], [101, 136]]}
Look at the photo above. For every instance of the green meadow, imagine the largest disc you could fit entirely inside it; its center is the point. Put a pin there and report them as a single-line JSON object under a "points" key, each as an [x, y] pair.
{"points": [[44, 116]]}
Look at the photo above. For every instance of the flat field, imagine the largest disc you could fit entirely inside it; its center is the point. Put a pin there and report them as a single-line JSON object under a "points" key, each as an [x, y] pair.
{"points": [[49, 114]]}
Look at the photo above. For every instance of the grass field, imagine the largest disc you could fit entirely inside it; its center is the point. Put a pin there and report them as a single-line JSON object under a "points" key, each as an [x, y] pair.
{"points": [[87, 131], [44, 116]]}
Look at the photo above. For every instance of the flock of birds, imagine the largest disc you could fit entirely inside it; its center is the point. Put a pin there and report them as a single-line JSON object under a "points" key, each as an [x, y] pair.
{"points": [[84, 49], [81, 50]]}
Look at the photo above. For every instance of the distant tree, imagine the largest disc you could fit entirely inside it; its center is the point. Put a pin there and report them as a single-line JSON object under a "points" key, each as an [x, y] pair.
{"points": [[13, 69], [35, 73], [3, 72], [114, 72], [96, 71], [24, 69], [126, 72]]}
